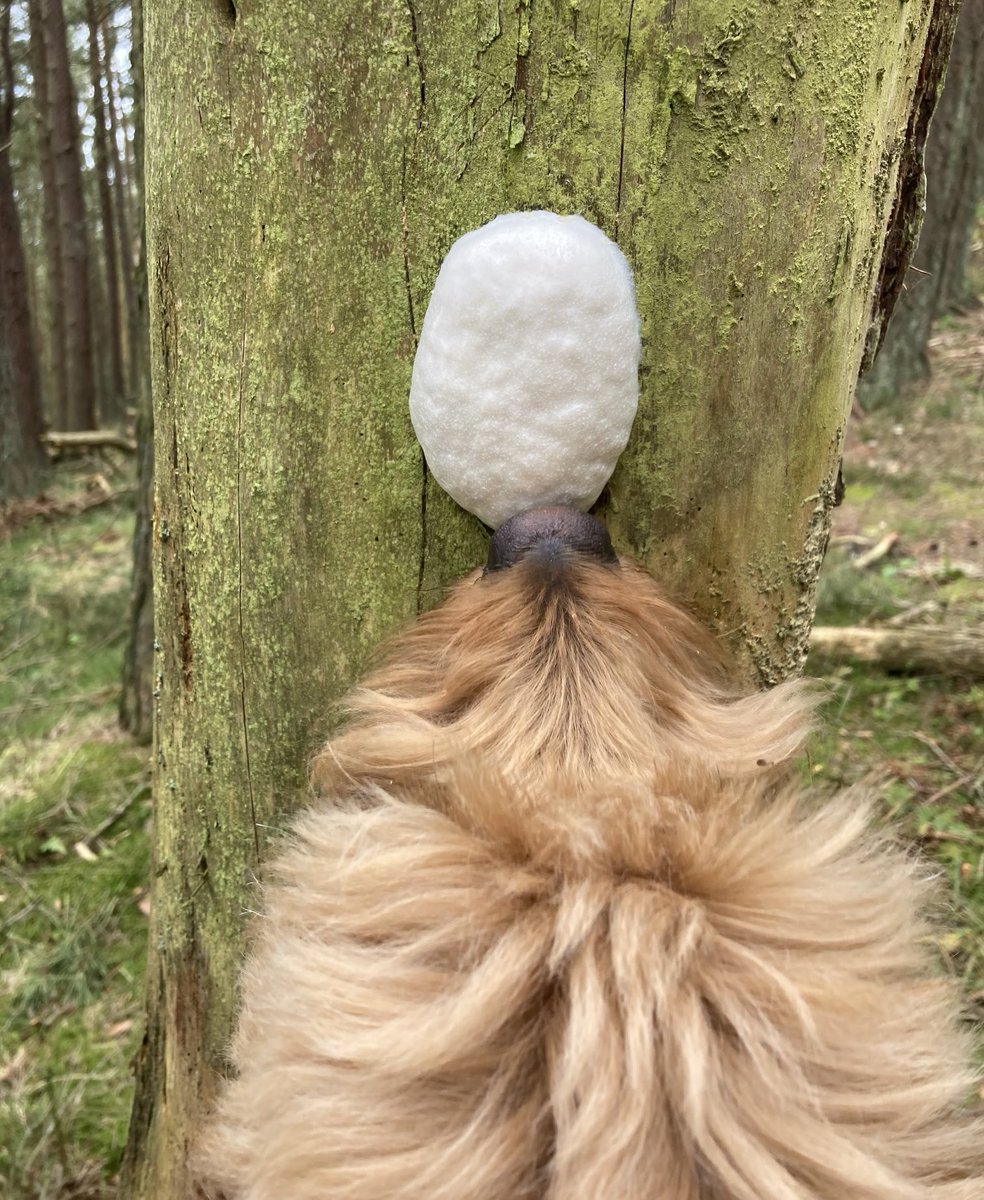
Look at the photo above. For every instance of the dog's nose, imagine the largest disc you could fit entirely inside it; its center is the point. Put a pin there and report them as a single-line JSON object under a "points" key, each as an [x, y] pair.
{"points": [[552, 533]]}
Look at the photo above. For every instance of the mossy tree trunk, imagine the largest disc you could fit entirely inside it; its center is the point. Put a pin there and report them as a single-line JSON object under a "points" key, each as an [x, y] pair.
{"points": [[308, 168]]}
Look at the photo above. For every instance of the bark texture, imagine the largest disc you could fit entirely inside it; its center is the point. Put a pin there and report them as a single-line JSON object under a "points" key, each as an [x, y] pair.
{"points": [[308, 168], [936, 280]]}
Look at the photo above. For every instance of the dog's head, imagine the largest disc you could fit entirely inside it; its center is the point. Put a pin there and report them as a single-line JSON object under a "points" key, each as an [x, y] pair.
{"points": [[558, 660]]}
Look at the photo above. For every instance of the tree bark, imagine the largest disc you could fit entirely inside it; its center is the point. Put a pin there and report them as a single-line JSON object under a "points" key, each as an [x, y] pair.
{"points": [[23, 462], [73, 233], [308, 169], [936, 280]]}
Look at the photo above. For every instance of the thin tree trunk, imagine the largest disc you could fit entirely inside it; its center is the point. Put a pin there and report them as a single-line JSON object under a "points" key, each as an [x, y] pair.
{"points": [[23, 461], [113, 350], [124, 199], [56, 372], [747, 158], [73, 232]]}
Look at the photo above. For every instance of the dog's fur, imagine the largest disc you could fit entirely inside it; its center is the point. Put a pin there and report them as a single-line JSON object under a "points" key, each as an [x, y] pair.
{"points": [[563, 930]]}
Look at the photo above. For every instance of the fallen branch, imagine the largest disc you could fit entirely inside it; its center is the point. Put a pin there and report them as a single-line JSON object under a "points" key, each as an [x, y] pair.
{"points": [[877, 552], [90, 439], [20, 512], [938, 750], [91, 838], [917, 650]]}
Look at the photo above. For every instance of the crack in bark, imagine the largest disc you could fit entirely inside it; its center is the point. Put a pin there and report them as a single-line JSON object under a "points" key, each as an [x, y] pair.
{"points": [[405, 245], [423, 533], [520, 85], [404, 225], [239, 539], [415, 40], [625, 105]]}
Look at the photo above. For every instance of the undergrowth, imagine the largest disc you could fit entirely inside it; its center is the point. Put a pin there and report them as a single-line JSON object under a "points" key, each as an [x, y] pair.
{"points": [[74, 807]]}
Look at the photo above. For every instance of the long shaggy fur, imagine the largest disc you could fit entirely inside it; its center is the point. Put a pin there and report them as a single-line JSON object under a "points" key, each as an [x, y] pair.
{"points": [[561, 931]]}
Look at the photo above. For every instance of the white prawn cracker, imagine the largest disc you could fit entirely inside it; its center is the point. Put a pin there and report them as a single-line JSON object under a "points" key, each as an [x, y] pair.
{"points": [[525, 382]]}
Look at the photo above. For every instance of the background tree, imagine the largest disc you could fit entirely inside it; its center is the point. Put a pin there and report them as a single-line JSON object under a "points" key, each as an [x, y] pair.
{"points": [[62, 123], [936, 280], [75, 195], [56, 374], [127, 188], [22, 457], [113, 347], [308, 168]]}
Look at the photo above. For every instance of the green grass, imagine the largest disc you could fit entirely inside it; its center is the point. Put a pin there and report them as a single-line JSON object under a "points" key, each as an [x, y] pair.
{"points": [[917, 742], [74, 859]]}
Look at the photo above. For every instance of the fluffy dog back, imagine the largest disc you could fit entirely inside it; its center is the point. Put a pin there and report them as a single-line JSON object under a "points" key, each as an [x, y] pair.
{"points": [[561, 930]]}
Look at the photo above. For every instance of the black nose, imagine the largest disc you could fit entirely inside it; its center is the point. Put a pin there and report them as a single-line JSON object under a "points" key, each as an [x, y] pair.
{"points": [[553, 533]]}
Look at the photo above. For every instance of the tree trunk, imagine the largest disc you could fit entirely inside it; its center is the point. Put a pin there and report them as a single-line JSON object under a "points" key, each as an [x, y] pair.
{"points": [[73, 232], [308, 169], [136, 699], [56, 374], [936, 280], [23, 461], [113, 351], [122, 190]]}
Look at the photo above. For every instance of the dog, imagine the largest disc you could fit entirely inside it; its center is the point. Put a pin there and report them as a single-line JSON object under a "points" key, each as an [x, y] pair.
{"points": [[565, 928]]}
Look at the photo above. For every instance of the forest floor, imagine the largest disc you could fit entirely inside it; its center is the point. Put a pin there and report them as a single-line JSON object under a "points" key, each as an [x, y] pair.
{"points": [[915, 469], [74, 791]]}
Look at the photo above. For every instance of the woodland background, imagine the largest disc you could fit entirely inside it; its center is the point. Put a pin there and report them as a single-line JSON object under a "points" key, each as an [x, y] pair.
{"points": [[904, 576]]}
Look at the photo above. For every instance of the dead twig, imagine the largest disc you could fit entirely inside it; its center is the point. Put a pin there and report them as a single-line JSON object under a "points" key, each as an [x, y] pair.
{"points": [[117, 814], [877, 552], [950, 787], [945, 835], [938, 750]]}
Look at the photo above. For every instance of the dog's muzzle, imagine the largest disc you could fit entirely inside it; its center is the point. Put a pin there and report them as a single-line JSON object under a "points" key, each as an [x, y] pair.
{"points": [[550, 535]]}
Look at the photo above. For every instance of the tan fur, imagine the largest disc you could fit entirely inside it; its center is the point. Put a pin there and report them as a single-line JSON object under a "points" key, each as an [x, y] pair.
{"points": [[561, 931]]}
